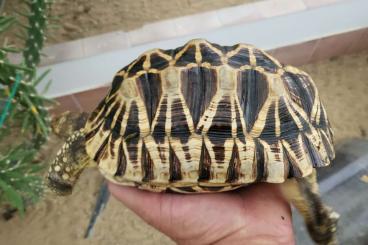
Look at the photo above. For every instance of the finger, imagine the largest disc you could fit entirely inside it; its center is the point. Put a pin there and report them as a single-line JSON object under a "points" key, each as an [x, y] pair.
{"points": [[257, 206], [266, 210], [264, 196], [145, 204]]}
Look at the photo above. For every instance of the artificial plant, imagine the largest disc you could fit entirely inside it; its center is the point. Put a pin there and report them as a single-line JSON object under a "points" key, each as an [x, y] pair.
{"points": [[22, 107]]}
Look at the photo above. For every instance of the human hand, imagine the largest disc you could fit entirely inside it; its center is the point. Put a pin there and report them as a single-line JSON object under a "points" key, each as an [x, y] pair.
{"points": [[256, 214]]}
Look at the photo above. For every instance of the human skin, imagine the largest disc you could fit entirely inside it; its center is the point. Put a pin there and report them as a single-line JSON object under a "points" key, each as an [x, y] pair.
{"points": [[256, 214]]}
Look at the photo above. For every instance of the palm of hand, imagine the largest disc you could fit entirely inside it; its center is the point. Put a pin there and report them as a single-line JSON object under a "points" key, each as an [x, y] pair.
{"points": [[253, 215]]}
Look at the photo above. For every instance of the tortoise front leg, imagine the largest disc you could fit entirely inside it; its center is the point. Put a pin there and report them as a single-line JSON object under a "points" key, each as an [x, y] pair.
{"points": [[68, 164], [321, 220]]}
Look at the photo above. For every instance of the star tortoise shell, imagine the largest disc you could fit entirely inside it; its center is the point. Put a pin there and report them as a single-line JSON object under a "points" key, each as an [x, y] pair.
{"points": [[205, 117]]}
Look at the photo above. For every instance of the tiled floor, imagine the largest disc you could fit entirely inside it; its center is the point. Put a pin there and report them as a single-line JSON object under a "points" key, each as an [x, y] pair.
{"points": [[176, 27], [296, 55]]}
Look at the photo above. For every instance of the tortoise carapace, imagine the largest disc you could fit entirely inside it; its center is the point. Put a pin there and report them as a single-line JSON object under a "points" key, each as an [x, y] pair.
{"points": [[206, 118]]}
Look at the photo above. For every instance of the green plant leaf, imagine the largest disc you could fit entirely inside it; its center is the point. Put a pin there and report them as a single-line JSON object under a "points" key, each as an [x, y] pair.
{"points": [[41, 77], [6, 22], [12, 197]]}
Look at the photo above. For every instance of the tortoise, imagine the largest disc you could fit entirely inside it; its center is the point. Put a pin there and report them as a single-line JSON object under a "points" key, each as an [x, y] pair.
{"points": [[205, 118]]}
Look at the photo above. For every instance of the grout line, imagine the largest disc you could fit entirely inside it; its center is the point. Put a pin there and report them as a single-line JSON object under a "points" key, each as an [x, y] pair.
{"points": [[311, 58], [76, 102]]}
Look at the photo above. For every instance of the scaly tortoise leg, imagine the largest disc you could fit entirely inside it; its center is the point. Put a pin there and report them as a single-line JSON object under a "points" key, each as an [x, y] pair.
{"points": [[69, 163], [321, 220]]}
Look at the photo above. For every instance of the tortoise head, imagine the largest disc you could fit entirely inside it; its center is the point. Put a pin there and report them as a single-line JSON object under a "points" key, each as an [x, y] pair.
{"points": [[65, 124], [68, 164]]}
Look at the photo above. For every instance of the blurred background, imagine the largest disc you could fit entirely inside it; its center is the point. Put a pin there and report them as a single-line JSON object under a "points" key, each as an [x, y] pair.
{"points": [[59, 55]]}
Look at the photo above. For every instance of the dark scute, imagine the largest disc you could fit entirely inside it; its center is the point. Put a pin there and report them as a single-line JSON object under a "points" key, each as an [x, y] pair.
{"points": [[107, 105], [144, 87], [203, 82], [212, 188], [233, 171], [218, 147], [208, 55], [312, 152], [175, 169], [265, 62], [147, 165], [239, 126], [112, 147], [125, 68], [223, 49], [187, 189], [132, 148], [288, 127], [156, 91], [179, 124], [227, 49], [121, 161], [329, 148], [170, 52], [301, 90], [93, 132], [261, 170], [157, 62], [116, 83], [199, 130], [239, 59], [109, 118], [186, 153], [294, 170], [204, 164], [191, 81], [101, 150], [220, 129], [296, 147], [115, 134], [305, 125], [132, 127], [175, 51], [323, 123], [149, 85], [138, 66], [252, 95], [269, 131], [97, 110], [159, 129], [187, 57]]}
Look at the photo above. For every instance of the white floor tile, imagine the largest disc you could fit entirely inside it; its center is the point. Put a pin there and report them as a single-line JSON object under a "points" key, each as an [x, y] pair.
{"points": [[105, 43], [270, 8]]}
